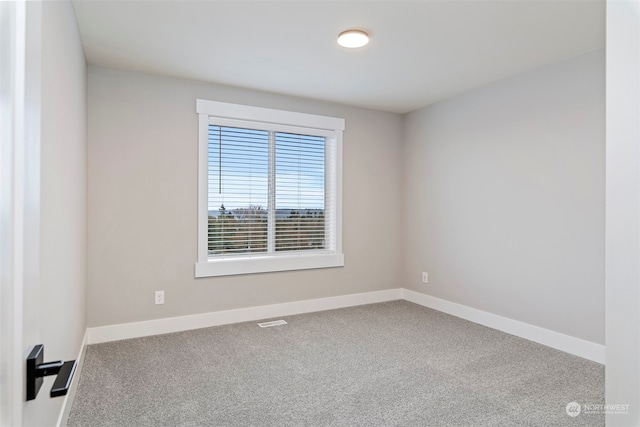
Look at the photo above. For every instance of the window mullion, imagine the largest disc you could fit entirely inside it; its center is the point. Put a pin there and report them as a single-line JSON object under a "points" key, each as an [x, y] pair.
{"points": [[271, 207]]}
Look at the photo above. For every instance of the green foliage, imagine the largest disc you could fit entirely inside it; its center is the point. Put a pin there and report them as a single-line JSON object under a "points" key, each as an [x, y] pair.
{"points": [[245, 230], [300, 231]]}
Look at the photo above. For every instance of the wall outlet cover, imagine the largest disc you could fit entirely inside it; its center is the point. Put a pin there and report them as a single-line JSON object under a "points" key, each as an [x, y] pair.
{"points": [[159, 297]]}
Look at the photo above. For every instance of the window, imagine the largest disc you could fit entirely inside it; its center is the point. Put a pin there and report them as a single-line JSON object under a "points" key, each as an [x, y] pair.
{"points": [[269, 190]]}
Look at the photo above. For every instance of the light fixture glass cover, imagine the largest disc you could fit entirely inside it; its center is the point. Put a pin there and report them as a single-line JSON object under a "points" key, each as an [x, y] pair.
{"points": [[353, 38]]}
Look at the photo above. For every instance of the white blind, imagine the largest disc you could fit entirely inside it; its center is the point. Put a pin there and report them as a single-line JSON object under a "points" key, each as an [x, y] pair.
{"points": [[267, 192], [299, 192]]}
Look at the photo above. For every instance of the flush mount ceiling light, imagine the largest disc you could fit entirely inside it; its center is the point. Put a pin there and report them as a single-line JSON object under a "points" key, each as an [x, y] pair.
{"points": [[353, 38]]}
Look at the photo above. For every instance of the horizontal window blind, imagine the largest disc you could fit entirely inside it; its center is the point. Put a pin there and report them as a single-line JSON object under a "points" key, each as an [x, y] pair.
{"points": [[238, 190], [267, 192], [300, 191]]}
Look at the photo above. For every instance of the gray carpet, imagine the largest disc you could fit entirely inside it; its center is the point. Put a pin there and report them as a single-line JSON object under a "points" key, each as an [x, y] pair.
{"points": [[389, 364]]}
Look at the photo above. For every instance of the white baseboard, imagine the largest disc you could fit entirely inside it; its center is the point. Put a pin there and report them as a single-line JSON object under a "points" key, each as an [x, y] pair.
{"points": [[205, 320], [68, 398], [566, 343]]}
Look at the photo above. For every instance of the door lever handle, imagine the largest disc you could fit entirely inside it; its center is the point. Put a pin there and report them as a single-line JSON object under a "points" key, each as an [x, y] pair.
{"points": [[36, 371]]}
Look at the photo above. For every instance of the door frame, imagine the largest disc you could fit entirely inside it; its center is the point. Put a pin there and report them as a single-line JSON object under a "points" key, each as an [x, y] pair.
{"points": [[20, 105], [12, 111]]}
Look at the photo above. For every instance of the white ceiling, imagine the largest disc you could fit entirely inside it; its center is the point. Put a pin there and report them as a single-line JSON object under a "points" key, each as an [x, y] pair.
{"points": [[420, 51]]}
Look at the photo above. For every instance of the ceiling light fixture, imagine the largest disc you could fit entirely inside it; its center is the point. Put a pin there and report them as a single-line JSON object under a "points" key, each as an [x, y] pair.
{"points": [[353, 38]]}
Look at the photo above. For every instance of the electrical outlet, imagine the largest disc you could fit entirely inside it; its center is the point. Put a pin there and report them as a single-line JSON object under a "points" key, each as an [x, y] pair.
{"points": [[425, 277], [159, 297]]}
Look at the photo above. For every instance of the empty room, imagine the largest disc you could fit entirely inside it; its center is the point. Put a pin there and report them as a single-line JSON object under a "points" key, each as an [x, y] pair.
{"points": [[320, 213]]}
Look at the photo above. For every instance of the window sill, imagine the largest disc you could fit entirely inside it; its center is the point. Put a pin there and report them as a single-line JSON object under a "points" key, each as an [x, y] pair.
{"points": [[237, 266]]}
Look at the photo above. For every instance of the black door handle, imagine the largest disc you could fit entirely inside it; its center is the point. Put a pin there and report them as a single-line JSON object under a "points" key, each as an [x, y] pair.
{"points": [[36, 370]]}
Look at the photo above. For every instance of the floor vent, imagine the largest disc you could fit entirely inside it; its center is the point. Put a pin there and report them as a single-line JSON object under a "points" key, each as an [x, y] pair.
{"points": [[273, 323]]}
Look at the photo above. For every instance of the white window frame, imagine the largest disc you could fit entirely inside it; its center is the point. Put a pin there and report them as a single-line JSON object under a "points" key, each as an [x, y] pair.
{"points": [[265, 118]]}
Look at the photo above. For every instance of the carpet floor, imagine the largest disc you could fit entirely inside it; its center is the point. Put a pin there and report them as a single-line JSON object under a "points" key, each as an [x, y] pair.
{"points": [[388, 364]]}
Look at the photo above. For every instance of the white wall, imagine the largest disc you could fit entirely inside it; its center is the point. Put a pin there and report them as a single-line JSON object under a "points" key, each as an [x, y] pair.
{"points": [[61, 301], [504, 198], [143, 202], [623, 211]]}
